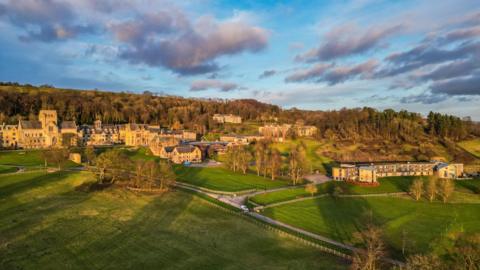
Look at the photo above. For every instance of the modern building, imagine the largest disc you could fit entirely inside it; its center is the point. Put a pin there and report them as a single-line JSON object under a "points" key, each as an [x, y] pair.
{"points": [[369, 172]]}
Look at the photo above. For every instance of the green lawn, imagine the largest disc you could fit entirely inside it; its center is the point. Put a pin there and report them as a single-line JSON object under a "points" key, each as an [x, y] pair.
{"points": [[315, 160], [30, 158], [223, 179], [50, 222], [425, 225], [7, 169], [141, 153], [472, 146], [387, 185]]}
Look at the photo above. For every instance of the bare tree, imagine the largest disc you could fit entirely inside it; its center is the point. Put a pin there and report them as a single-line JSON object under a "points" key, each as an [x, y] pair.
{"points": [[423, 262], [431, 189], [369, 257], [446, 188], [275, 161], [297, 164], [416, 189], [311, 188], [244, 158], [260, 159], [466, 252]]}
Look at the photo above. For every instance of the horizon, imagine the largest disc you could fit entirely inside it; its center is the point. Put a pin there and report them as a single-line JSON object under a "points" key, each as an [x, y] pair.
{"points": [[308, 55]]}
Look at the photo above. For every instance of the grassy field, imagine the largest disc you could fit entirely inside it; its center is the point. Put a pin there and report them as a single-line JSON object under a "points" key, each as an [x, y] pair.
{"points": [[471, 146], [223, 179], [387, 185], [7, 169], [316, 161], [30, 158], [425, 225], [51, 222]]}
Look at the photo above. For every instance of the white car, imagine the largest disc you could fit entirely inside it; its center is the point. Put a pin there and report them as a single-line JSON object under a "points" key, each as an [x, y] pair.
{"points": [[244, 208]]}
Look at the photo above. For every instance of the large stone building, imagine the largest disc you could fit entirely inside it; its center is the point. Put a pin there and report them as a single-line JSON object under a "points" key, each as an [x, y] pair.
{"points": [[369, 172], [8, 136], [227, 118], [182, 154]]}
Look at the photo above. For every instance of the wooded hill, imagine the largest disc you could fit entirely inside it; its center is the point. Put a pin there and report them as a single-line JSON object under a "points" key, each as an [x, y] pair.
{"points": [[359, 124]]}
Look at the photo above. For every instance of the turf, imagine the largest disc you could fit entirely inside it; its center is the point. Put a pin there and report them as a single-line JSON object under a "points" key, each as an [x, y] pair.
{"points": [[29, 159], [471, 146], [49, 222], [316, 161], [7, 169], [387, 185], [224, 180], [425, 225]]}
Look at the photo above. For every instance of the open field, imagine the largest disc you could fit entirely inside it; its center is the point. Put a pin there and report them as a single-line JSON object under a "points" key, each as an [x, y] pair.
{"points": [[52, 222], [424, 225], [387, 185], [223, 179], [7, 169], [30, 158], [471, 146], [316, 161]]}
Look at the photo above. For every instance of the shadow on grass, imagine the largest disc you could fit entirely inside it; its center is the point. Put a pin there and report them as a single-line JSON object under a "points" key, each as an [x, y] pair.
{"points": [[38, 180]]}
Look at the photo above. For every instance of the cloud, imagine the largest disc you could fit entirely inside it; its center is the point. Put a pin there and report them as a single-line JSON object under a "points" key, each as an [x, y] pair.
{"points": [[313, 73], [347, 40], [334, 74], [459, 86], [267, 73], [424, 98], [426, 54], [44, 20], [188, 48], [459, 68], [202, 85]]}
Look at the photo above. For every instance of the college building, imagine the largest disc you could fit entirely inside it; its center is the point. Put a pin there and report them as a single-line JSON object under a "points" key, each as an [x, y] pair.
{"points": [[369, 172], [227, 118]]}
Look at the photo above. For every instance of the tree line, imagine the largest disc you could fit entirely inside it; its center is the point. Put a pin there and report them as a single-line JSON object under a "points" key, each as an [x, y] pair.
{"points": [[358, 124], [267, 161]]}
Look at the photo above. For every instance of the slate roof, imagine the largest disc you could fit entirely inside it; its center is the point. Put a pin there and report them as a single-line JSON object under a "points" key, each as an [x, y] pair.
{"points": [[185, 149], [31, 124], [69, 125]]}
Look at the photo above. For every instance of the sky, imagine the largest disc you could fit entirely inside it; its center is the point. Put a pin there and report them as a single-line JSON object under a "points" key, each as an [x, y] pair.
{"points": [[318, 55]]}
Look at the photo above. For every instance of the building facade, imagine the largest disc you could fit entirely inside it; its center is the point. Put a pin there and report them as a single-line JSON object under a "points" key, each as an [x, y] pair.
{"points": [[370, 172], [227, 118]]}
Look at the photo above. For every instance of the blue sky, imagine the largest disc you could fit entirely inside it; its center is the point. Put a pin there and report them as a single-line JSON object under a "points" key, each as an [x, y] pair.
{"points": [[415, 55]]}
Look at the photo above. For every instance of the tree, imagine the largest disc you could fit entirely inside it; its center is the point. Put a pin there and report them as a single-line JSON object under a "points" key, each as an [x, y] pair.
{"points": [[431, 189], [416, 189], [260, 159], [112, 165], [446, 188], [423, 262], [138, 180], [90, 154], [166, 175], [57, 156], [244, 158], [297, 163], [275, 162], [373, 249], [465, 253], [311, 188]]}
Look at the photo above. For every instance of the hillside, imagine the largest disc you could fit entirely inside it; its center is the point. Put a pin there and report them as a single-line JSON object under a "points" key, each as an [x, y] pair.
{"points": [[348, 134]]}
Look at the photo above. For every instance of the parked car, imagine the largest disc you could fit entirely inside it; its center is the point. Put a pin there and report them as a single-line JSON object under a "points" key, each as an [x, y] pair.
{"points": [[244, 208]]}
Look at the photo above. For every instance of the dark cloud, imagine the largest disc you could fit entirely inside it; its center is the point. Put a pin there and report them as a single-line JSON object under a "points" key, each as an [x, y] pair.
{"points": [[186, 49], [267, 73], [424, 98], [334, 74], [44, 20], [450, 70], [459, 86], [348, 40], [426, 54], [202, 85]]}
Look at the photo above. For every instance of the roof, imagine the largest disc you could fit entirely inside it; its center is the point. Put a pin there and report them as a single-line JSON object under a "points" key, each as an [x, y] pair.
{"points": [[442, 165], [168, 149], [368, 168], [31, 124], [68, 125], [185, 149]]}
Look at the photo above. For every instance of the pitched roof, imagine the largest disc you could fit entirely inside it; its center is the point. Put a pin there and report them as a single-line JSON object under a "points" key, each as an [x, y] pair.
{"points": [[185, 149], [68, 125], [31, 124]]}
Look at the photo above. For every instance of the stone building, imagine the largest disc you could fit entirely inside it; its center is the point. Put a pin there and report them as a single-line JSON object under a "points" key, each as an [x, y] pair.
{"points": [[227, 118], [8, 136], [181, 154]]}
